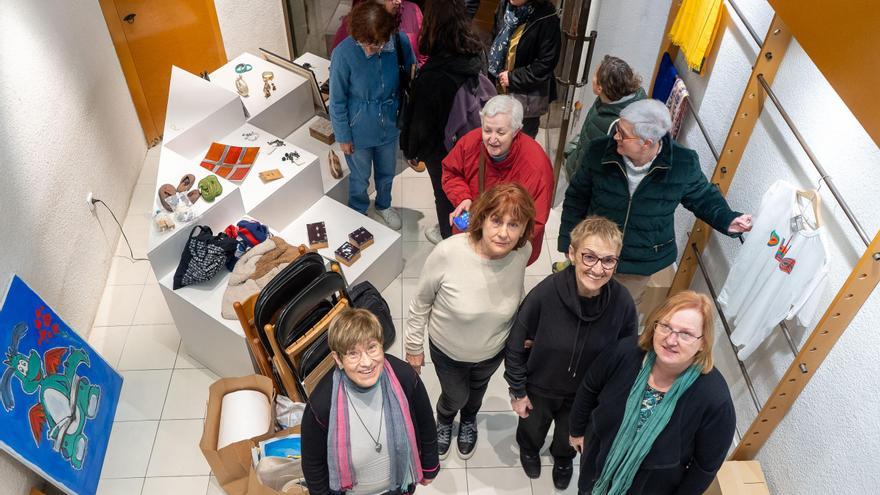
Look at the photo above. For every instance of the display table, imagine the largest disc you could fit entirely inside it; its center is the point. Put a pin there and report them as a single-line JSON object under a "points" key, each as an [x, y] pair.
{"points": [[202, 113], [287, 108]]}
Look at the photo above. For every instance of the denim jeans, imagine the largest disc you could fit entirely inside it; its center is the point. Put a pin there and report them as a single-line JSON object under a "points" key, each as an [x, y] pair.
{"points": [[381, 159], [462, 385]]}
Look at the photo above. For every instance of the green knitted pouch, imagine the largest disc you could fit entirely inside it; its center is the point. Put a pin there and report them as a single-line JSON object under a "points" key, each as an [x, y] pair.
{"points": [[210, 188]]}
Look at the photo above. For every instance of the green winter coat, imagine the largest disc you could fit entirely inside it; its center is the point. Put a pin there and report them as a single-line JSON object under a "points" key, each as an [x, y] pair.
{"points": [[600, 187], [599, 118]]}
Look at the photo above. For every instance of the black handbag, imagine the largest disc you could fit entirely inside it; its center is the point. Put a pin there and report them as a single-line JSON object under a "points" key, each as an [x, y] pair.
{"points": [[203, 256], [404, 77]]}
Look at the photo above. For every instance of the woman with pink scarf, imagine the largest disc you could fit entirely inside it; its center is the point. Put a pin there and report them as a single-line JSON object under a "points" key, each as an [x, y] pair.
{"points": [[410, 23]]}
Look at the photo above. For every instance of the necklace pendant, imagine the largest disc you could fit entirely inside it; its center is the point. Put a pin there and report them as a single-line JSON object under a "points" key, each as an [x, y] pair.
{"points": [[378, 447]]}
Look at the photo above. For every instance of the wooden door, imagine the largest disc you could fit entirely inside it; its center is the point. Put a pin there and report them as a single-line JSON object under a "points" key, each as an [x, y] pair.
{"points": [[152, 35]]}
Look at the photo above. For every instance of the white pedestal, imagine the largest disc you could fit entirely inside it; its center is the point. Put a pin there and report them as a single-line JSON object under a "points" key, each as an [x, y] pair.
{"points": [[286, 109], [319, 65], [335, 188], [198, 112]]}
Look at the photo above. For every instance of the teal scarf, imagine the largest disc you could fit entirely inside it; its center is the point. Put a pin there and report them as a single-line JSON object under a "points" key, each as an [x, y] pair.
{"points": [[631, 445]]}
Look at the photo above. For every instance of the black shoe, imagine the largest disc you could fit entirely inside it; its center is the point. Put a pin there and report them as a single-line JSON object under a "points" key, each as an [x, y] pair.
{"points": [[467, 439], [444, 438], [531, 464], [562, 475]]}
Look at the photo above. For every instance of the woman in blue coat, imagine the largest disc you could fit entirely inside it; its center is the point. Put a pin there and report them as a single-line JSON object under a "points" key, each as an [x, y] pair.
{"points": [[364, 102]]}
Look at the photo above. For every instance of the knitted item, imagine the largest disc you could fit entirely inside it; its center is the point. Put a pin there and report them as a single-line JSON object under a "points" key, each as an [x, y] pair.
{"points": [[677, 105], [666, 74], [631, 444], [694, 30], [230, 162]]}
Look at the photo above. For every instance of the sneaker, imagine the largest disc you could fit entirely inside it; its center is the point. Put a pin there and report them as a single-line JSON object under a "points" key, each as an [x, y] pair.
{"points": [[444, 438], [558, 266], [562, 474], [467, 439], [531, 464], [390, 217], [433, 234]]}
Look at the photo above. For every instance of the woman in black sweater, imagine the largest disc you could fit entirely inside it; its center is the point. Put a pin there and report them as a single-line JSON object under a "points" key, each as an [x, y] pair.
{"points": [[455, 56], [567, 320], [655, 416], [374, 411]]}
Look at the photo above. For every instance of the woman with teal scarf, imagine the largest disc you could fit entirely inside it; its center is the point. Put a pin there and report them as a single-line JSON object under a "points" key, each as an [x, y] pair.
{"points": [[654, 416]]}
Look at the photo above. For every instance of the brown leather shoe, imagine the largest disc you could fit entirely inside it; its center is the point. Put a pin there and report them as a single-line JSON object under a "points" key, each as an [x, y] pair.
{"points": [[165, 192], [186, 183]]}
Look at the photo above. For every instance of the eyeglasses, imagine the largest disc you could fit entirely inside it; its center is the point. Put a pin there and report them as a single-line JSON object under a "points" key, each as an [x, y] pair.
{"points": [[664, 330], [616, 130], [373, 351], [589, 259], [374, 46]]}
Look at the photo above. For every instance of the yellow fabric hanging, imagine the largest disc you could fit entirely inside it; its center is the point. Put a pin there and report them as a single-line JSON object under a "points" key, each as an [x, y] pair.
{"points": [[694, 29]]}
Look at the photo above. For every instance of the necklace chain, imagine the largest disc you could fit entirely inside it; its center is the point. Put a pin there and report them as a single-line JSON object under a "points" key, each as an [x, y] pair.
{"points": [[381, 421]]}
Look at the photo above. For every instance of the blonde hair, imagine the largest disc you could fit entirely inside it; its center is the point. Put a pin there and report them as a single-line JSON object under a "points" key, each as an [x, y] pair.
{"points": [[596, 226], [687, 299], [352, 327]]}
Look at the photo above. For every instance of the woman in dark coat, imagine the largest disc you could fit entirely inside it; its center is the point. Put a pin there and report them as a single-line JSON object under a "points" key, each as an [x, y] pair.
{"points": [[368, 427], [655, 417], [525, 48], [455, 57]]}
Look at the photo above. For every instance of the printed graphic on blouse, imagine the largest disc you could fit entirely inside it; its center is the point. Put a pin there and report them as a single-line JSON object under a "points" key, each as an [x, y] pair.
{"points": [[650, 399]]}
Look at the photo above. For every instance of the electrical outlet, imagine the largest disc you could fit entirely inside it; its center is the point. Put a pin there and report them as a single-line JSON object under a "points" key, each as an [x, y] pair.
{"points": [[90, 200]]}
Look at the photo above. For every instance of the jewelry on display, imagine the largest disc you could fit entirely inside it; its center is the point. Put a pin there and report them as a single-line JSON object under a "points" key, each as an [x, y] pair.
{"points": [[242, 68], [276, 144], [251, 135], [241, 86], [293, 156], [378, 446], [268, 85]]}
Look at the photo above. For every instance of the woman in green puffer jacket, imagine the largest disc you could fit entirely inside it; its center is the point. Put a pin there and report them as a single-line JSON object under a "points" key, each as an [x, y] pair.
{"points": [[615, 86]]}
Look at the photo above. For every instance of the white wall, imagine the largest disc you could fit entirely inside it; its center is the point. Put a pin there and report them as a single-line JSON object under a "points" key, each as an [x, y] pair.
{"points": [[67, 127], [249, 26], [829, 442]]}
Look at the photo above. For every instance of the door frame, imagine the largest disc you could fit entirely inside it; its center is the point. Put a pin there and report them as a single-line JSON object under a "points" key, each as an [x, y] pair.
{"points": [[152, 133]]}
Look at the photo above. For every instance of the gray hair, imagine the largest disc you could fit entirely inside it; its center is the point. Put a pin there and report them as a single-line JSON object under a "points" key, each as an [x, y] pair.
{"points": [[505, 104], [650, 119]]}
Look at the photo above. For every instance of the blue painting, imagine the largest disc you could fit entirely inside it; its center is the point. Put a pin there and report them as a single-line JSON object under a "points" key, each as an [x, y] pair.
{"points": [[58, 397]]}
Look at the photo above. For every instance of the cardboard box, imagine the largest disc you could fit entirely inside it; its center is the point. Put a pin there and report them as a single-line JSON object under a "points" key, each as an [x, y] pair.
{"points": [[658, 287], [255, 487], [739, 478], [233, 463]]}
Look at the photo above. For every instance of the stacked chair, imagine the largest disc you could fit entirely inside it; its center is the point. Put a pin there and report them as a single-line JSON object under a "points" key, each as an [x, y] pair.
{"points": [[285, 325]]}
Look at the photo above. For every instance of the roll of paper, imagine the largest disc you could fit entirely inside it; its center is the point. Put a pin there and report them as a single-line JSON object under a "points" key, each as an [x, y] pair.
{"points": [[243, 414]]}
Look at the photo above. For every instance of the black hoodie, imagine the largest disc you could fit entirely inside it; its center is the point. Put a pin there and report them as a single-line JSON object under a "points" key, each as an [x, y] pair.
{"points": [[567, 332], [431, 95]]}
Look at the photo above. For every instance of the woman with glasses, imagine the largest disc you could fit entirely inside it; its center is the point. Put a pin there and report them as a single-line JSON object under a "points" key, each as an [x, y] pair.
{"points": [[655, 416], [637, 177], [562, 326], [466, 299], [364, 101], [368, 427]]}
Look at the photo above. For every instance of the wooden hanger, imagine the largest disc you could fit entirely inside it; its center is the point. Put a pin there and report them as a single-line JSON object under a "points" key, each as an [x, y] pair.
{"points": [[815, 201]]}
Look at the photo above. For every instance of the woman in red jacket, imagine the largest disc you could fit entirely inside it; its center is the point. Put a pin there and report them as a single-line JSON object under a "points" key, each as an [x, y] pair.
{"points": [[507, 155]]}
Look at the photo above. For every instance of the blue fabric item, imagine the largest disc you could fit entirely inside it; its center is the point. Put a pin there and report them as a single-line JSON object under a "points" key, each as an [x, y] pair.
{"points": [[383, 160], [363, 93], [513, 17], [666, 75], [258, 230]]}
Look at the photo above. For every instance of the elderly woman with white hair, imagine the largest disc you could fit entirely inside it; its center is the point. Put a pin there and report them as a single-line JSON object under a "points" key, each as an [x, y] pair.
{"points": [[637, 177], [496, 153]]}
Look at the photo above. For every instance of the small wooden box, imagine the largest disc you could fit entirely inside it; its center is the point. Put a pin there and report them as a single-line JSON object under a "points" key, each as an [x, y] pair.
{"points": [[347, 254], [270, 175], [317, 233], [361, 238], [322, 130]]}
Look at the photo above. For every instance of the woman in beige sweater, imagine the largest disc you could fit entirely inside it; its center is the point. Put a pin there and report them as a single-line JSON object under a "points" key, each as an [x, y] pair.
{"points": [[468, 294]]}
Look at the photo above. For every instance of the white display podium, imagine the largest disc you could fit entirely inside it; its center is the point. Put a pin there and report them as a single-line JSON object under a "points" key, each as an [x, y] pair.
{"points": [[202, 113], [288, 107]]}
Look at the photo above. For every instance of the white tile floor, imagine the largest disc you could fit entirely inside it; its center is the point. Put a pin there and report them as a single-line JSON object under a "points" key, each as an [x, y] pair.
{"points": [[154, 444]]}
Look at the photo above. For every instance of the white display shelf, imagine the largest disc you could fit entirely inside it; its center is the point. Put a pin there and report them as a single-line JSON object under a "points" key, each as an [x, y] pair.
{"points": [[319, 65], [198, 112], [164, 248], [219, 343], [280, 113], [335, 188]]}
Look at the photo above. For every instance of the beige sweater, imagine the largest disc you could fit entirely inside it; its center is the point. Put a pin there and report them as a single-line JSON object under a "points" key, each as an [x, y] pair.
{"points": [[466, 302]]}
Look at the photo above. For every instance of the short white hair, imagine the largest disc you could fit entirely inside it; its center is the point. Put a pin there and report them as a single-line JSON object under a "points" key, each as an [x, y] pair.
{"points": [[650, 119], [504, 104]]}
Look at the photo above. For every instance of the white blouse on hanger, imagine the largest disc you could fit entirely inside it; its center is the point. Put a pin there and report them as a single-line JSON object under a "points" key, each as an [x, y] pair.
{"points": [[780, 273]]}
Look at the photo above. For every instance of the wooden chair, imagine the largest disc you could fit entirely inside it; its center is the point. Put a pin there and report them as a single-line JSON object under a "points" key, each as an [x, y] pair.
{"points": [[261, 359]]}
